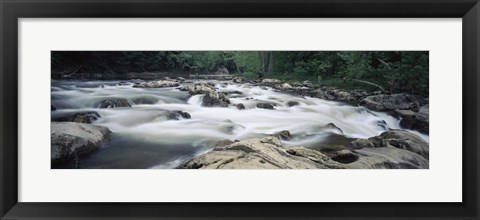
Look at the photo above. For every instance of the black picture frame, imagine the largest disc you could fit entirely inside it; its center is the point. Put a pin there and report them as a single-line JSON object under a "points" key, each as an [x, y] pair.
{"points": [[12, 10]]}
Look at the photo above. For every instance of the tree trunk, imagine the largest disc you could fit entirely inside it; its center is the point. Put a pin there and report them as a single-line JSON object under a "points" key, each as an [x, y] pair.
{"points": [[270, 62], [261, 70]]}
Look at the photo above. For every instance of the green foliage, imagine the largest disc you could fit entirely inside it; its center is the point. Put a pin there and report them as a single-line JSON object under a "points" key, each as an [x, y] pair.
{"points": [[396, 71]]}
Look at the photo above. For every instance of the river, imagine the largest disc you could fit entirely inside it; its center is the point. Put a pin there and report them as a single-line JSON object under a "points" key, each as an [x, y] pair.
{"points": [[143, 137]]}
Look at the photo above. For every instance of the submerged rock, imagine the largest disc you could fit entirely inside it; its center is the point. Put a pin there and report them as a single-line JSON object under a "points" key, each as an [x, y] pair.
{"points": [[69, 140], [240, 106], [80, 117], [176, 115], [114, 103], [292, 103]]}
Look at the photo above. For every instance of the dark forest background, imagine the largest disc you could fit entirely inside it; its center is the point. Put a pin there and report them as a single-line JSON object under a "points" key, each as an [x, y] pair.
{"points": [[395, 71]]}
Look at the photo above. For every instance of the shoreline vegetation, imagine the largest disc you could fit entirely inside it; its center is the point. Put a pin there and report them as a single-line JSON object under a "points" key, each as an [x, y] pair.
{"points": [[374, 80]]}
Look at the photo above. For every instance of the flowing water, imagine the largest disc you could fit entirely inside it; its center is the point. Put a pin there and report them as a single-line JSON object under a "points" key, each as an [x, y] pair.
{"points": [[143, 137]]}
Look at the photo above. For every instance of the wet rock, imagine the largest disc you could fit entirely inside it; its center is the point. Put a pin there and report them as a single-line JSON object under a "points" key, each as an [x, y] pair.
{"points": [[202, 88], [265, 106], [398, 139], [415, 120], [283, 135], [214, 99], [144, 100], [176, 115], [292, 103], [334, 127], [381, 158], [334, 94], [53, 108], [80, 117], [260, 153], [240, 106], [158, 84], [393, 102], [237, 80], [181, 79], [345, 157], [114, 103], [270, 81], [284, 86], [69, 140]]}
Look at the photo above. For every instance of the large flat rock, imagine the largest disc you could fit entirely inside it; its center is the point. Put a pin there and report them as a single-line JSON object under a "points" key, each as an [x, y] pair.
{"points": [[71, 139]]}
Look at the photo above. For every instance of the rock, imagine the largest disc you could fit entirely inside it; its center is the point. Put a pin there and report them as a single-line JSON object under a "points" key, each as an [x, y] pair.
{"points": [[53, 108], [144, 100], [398, 139], [392, 102], [237, 80], [334, 94], [380, 158], [80, 117], [260, 153], [283, 135], [265, 106], [181, 79], [70, 140], [334, 127], [415, 120], [270, 81], [214, 99], [240, 106], [114, 103], [284, 86], [176, 115], [307, 83], [201, 88], [292, 103], [158, 84]]}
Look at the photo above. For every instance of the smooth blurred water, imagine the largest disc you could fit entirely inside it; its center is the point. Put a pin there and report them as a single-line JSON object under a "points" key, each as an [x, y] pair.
{"points": [[144, 138]]}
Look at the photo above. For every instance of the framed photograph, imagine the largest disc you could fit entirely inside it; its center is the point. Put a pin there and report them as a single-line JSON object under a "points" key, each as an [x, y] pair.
{"points": [[239, 109]]}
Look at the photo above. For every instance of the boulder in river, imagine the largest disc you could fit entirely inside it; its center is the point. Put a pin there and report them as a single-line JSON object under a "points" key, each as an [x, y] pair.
{"points": [[69, 140], [283, 135], [214, 99], [176, 115], [114, 103], [53, 108], [393, 102], [292, 103], [265, 105], [415, 120], [158, 84], [240, 106], [80, 117]]}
